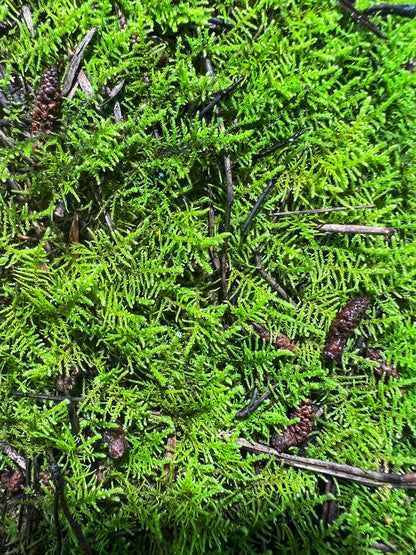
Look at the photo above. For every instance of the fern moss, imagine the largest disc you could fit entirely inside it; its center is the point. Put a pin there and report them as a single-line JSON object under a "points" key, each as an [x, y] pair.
{"points": [[136, 306]]}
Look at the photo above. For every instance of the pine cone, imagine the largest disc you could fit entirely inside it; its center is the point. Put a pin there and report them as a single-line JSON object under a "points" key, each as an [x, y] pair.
{"points": [[383, 368], [296, 433], [48, 102], [343, 326], [12, 480]]}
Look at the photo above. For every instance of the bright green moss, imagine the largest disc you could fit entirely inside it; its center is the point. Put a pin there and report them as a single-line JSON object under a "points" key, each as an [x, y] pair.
{"points": [[150, 295]]}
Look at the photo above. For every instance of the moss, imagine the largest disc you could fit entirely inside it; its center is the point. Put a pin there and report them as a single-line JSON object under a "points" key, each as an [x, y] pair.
{"points": [[135, 303]]}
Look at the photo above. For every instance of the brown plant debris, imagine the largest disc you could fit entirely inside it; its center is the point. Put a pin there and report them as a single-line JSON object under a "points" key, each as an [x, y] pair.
{"points": [[343, 326], [296, 433], [48, 102], [117, 443], [280, 340], [383, 368], [44, 479], [66, 383], [11, 480]]}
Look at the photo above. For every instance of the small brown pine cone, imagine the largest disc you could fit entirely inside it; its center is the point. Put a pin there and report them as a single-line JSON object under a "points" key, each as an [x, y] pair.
{"points": [[296, 433], [48, 102], [383, 368], [343, 326], [12, 480]]}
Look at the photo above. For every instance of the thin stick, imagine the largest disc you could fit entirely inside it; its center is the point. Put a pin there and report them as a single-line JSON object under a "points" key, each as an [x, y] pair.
{"points": [[13, 455], [219, 97], [319, 210], [363, 229], [211, 233], [271, 183], [362, 19], [100, 203], [260, 201], [271, 281], [403, 10], [230, 191], [252, 406], [280, 145], [344, 471], [47, 397]]}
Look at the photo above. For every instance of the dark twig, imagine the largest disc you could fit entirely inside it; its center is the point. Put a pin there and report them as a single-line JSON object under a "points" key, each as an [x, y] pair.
{"points": [[361, 18], [59, 484], [100, 203], [260, 201], [330, 508], [76, 61], [219, 97], [366, 477], [211, 233], [272, 182], [271, 281], [362, 229], [230, 192], [280, 145], [218, 22], [47, 397], [403, 10], [113, 92], [319, 210], [253, 405]]}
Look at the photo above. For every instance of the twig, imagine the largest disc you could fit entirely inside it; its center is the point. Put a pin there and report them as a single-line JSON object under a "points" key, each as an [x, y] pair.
{"points": [[385, 548], [280, 145], [216, 21], [211, 233], [403, 10], [362, 19], [363, 229], [330, 509], [230, 192], [366, 477], [271, 281], [272, 182], [76, 61], [47, 397], [219, 97], [113, 93], [100, 203], [319, 210], [13, 455], [59, 484], [252, 406], [260, 201]]}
